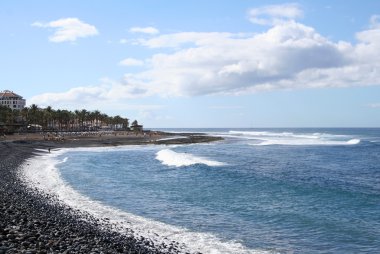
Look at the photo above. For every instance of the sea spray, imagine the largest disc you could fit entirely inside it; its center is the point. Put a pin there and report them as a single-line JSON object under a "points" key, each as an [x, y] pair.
{"points": [[306, 142], [265, 138], [171, 158]]}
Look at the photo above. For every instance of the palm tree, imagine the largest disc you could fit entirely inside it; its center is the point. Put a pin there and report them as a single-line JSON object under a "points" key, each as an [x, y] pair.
{"points": [[134, 123], [77, 119], [91, 118], [25, 115], [59, 119], [66, 119], [62, 119], [5, 115], [97, 115], [80, 117], [6, 119], [47, 115], [125, 123], [33, 113]]}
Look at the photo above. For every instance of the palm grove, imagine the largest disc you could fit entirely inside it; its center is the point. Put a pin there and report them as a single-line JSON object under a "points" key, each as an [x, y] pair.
{"points": [[49, 119]]}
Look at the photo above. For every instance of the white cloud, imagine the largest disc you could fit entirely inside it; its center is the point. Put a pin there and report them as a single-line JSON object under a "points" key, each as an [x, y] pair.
{"points": [[221, 107], [288, 55], [374, 105], [68, 29], [110, 96], [275, 14], [71, 96], [145, 30], [131, 62], [38, 24], [375, 21], [108, 91], [226, 63], [179, 39]]}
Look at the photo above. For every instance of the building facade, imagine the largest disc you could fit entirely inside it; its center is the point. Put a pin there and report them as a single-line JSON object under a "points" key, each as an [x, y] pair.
{"points": [[11, 100]]}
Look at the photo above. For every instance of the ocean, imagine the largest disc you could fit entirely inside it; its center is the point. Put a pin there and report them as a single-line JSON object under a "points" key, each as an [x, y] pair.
{"points": [[256, 191]]}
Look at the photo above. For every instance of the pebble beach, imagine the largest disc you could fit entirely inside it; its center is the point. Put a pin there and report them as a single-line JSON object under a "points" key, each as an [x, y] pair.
{"points": [[34, 222]]}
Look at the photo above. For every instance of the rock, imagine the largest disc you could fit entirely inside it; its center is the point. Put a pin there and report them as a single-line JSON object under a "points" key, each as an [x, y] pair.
{"points": [[3, 249]]}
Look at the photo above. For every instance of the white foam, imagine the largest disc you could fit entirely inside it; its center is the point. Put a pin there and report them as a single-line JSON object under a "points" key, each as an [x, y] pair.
{"points": [[171, 158], [354, 141], [41, 172], [258, 134], [172, 138], [42, 150], [63, 161], [375, 141], [264, 138], [306, 142]]}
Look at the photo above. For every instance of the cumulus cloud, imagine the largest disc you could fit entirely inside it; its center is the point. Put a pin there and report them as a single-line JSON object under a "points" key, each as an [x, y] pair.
{"points": [[109, 96], [274, 14], [73, 95], [288, 55], [107, 91], [145, 30], [68, 29], [131, 62], [226, 63]]}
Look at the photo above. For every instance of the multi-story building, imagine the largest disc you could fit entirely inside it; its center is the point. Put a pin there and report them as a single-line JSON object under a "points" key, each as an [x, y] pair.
{"points": [[11, 100]]}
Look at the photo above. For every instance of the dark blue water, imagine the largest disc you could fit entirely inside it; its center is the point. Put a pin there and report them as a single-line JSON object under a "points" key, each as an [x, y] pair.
{"points": [[284, 190]]}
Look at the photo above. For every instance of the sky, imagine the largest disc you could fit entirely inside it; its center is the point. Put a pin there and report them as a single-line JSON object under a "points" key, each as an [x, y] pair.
{"points": [[198, 64]]}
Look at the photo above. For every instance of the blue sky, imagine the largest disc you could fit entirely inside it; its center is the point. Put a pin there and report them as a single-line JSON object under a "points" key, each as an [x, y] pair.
{"points": [[198, 63]]}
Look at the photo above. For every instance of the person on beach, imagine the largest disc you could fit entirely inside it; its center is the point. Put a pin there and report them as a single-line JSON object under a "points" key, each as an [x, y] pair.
{"points": [[49, 149]]}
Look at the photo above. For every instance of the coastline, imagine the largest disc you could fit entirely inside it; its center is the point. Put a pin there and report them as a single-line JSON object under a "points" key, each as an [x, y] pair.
{"points": [[32, 222]]}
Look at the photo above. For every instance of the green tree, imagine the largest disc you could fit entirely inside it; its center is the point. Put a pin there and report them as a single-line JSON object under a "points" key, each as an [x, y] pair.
{"points": [[33, 113], [61, 119], [134, 123]]}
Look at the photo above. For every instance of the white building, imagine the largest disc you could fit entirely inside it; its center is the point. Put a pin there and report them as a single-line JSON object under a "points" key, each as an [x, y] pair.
{"points": [[11, 100]]}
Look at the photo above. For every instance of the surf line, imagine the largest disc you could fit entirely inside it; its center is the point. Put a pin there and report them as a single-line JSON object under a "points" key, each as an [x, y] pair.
{"points": [[171, 158], [41, 172]]}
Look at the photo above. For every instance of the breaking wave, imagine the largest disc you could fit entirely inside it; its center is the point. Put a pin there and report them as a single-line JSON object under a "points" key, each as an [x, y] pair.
{"points": [[171, 158], [40, 172], [264, 138], [307, 142]]}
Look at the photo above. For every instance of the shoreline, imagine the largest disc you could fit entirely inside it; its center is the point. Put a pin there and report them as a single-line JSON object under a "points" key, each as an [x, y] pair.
{"points": [[34, 222], [68, 140]]}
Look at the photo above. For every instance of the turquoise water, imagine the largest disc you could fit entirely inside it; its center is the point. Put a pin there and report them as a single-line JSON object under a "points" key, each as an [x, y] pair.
{"points": [[280, 190]]}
